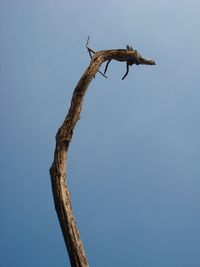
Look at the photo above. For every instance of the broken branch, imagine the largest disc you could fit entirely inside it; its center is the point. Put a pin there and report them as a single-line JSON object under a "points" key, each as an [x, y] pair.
{"points": [[64, 135]]}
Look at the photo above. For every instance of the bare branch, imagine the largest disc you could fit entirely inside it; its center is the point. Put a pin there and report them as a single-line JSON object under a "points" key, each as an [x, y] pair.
{"points": [[127, 70], [63, 138], [107, 66], [90, 51]]}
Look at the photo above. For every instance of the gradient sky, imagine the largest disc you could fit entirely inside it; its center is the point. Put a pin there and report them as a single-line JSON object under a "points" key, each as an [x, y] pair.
{"points": [[134, 162]]}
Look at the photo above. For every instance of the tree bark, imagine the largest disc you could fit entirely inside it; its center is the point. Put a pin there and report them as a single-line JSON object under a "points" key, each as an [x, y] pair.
{"points": [[64, 134]]}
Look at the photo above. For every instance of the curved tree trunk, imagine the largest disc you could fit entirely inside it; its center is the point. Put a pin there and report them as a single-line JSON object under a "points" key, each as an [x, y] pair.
{"points": [[64, 134]]}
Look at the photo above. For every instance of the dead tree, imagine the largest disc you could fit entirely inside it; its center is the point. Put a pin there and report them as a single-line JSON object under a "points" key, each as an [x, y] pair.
{"points": [[64, 134]]}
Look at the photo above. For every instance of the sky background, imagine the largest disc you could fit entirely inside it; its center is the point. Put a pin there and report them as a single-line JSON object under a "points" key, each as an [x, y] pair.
{"points": [[134, 162]]}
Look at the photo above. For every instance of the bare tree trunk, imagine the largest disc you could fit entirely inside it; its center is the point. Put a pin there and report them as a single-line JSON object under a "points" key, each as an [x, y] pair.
{"points": [[64, 134]]}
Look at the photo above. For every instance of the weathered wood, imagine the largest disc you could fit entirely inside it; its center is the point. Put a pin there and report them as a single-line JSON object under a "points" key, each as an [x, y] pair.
{"points": [[64, 135]]}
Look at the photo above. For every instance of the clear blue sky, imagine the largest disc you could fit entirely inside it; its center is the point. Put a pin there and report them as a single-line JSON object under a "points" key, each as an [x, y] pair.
{"points": [[134, 163]]}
